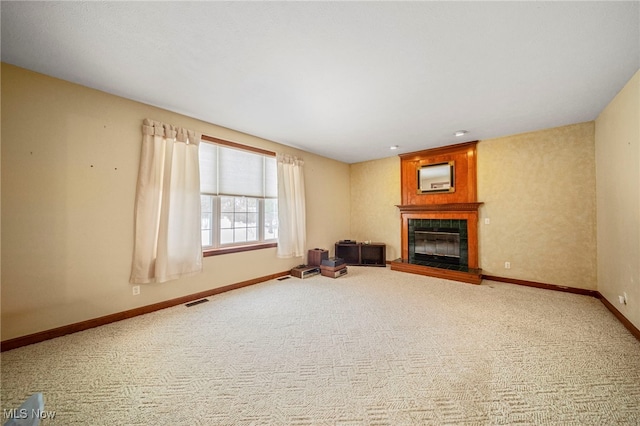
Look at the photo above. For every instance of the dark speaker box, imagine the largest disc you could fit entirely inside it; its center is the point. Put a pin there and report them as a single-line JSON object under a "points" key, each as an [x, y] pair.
{"points": [[316, 256]]}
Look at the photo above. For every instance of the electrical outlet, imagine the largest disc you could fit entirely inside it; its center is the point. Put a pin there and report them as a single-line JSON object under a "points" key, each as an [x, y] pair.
{"points": [[507, 265], [626, 299], [621, 300], [487, 221], [136, 290]]}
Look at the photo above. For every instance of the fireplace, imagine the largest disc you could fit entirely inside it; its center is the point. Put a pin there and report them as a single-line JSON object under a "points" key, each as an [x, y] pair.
{"points": [[441, 241], [440, 228]]}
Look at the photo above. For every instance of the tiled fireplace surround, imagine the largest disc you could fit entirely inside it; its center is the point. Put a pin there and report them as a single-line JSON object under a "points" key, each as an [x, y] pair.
{"points": [[458, 209]]}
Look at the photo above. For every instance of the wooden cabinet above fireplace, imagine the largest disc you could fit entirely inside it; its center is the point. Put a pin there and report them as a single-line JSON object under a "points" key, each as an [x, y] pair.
{"points": [[463, 159]]}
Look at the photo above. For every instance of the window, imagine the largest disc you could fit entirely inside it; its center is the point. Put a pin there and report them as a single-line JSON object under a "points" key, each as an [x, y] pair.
{"points": [[238, 191]]}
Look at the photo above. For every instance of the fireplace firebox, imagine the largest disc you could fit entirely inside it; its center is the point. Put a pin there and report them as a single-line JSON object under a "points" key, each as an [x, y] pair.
{"points": [[439, 245]]}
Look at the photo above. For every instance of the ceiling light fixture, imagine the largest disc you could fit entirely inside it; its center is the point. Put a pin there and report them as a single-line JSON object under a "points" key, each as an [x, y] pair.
{"points": [[394, 147], [460, 133]]}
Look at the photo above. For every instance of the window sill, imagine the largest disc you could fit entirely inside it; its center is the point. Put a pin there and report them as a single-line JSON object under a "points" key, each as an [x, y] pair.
{"points": [[237, 249]]}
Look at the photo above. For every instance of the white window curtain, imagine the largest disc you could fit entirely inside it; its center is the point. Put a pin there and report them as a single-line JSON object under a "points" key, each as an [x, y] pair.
{"points": [[167, 242], [292, 231]]}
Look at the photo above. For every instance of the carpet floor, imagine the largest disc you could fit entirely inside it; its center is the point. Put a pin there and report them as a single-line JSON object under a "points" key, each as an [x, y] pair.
{"points": [[375, 347]]}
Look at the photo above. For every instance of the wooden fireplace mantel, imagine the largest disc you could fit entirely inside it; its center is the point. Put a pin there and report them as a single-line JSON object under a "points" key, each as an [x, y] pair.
{"points": [[451, 207]]}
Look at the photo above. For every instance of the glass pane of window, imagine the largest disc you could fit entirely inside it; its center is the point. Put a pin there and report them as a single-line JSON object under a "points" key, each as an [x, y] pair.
{"points": [[206, 221], [206, 239], [252, 234], [271, 205], [270, 219], [271, 231], [226, 236], [240, 235], [252, 204], [226, 220], [240, 220], [252, 219]]}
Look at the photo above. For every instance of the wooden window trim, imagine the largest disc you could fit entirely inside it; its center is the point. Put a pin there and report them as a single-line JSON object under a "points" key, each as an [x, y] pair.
{"points": [[237, 145], [237, 249]]}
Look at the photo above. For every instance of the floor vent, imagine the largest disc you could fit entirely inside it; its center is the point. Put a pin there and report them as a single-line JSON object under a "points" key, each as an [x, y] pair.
{"points": [[197, 302], [283, 278]]}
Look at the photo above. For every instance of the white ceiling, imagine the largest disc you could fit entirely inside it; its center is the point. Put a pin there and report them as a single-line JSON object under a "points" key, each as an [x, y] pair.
{"points": [[341, 79]]}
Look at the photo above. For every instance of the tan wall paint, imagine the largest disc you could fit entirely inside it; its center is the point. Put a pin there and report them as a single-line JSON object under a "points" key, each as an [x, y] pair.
{"points": [[617, 139], [538, 190], [375, 193], [69, 167]]}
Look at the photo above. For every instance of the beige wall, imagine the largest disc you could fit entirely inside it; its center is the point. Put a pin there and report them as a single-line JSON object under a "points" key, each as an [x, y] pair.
{"points": [[375, 193], [69, 168], [618, 199], [538, 191]]}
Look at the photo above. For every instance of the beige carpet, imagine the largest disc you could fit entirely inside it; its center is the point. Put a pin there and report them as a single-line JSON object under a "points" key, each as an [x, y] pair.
{"points": [[374, 347]]}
